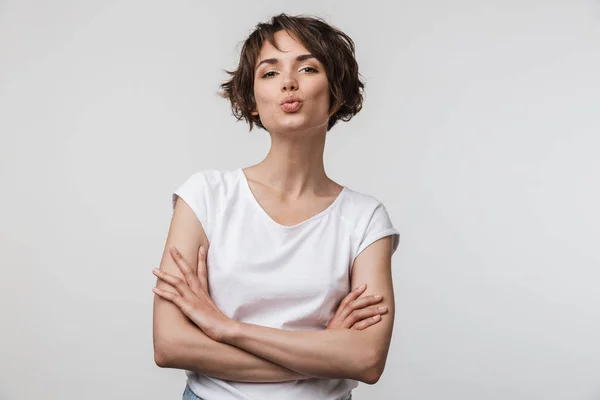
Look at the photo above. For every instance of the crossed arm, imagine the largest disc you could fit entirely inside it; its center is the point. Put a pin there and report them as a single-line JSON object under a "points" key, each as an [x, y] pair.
{"points": [[252, 353]]}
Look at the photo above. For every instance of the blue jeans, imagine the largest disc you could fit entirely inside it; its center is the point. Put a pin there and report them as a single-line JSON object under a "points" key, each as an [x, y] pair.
{"points": [[189, 395]]}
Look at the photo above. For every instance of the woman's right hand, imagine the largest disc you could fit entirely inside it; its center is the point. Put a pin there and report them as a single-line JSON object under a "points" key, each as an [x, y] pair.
{"points": [[357, 313]]}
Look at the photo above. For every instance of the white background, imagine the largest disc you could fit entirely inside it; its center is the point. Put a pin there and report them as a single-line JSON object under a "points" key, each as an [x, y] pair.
{"points": [[480, 133]]}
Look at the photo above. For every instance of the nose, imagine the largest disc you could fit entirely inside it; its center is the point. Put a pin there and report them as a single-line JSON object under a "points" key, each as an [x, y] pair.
{"points": [[289, 83]]}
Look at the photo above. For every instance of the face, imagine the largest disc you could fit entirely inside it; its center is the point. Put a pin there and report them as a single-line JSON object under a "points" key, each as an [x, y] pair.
{"points": [[290, 74]]}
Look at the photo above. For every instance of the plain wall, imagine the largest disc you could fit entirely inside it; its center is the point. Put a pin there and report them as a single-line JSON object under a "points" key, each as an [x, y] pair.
{"points": [[480, 133]]}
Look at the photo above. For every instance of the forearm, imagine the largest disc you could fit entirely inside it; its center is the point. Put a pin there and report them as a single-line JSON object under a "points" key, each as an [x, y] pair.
{"points": [[192, 350], [339, 353]]}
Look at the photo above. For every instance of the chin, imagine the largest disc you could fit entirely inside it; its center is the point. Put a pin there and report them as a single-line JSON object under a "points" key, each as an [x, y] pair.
{"points": [[288, 124], [297, 124], [291, 126]]}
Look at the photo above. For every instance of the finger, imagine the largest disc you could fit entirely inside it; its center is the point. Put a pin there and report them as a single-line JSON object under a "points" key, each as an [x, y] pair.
{"points": [[185, 269], [362, 314], [175, 281], [365, 323], [202, 270], [360, 303], [174, 298], [356, 292], [181, 262], [365, 301], [353, 295], [167, 294]]}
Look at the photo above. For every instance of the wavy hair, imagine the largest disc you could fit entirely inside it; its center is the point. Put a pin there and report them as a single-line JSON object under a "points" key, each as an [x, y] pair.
{"points": [[332, 47]]}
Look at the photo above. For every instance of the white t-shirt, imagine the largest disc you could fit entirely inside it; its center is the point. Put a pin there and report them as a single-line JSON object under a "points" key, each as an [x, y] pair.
{"points": [[285, 277]]}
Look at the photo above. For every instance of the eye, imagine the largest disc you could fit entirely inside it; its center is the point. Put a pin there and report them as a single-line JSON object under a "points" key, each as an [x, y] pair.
{"points": [[267, 74], [313, 70]]}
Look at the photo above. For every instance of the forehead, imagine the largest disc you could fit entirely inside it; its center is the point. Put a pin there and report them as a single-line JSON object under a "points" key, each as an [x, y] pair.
{"points": [[288, 44]]}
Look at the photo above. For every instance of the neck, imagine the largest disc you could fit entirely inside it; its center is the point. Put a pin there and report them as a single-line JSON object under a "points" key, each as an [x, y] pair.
{"points": [[294, 165]]}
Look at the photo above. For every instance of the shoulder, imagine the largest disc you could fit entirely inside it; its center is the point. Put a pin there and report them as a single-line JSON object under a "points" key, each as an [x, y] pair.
{"points": [[206, 192], [210, 182], [358, 206], [213, 177], [369, 219], [354, 198]]}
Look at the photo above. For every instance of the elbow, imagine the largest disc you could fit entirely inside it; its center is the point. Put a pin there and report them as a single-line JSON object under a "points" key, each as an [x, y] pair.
{"points": [[162, 353], [372, 375], [374, 369], [160, 358]]}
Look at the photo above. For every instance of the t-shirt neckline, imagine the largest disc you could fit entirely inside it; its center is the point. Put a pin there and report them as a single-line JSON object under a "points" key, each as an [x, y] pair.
{"points": [[246, 189]]}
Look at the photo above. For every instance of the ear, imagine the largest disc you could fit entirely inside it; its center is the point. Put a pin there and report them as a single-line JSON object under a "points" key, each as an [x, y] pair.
{"points": [[254, 112]]}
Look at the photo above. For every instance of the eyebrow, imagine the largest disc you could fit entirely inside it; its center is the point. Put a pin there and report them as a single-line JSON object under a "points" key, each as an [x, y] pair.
{"points": [[274, 61]]}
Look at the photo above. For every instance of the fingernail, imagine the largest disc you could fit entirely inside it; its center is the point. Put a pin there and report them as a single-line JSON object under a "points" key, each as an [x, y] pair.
{"points": [[377, 296], [376, 317], [202, 250], [361, 287], [383, 308], [156, 271]]}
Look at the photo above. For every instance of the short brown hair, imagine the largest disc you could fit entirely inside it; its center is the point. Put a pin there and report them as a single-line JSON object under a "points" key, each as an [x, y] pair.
{"points": [[332, 47]]}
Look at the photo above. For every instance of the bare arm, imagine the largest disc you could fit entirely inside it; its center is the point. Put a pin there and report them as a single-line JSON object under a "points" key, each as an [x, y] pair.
{"points": [[178, 343], [194, 351], [359, 355]]}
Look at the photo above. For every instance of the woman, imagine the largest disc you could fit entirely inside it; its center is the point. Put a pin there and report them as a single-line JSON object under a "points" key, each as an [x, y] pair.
{"points": [[279, 244]]}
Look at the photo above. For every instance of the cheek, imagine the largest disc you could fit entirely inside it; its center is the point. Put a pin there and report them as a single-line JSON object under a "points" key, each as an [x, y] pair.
{"points": [[262, 96], [321, 91], [321, 100], [257, 96]]}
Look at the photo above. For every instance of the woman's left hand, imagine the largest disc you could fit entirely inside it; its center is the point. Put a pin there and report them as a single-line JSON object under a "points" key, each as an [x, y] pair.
{"points": [[192, 296]]}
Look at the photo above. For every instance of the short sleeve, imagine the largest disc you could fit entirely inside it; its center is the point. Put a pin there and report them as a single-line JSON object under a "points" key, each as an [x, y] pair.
{"points": [[379, 225], [195, 191]]}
